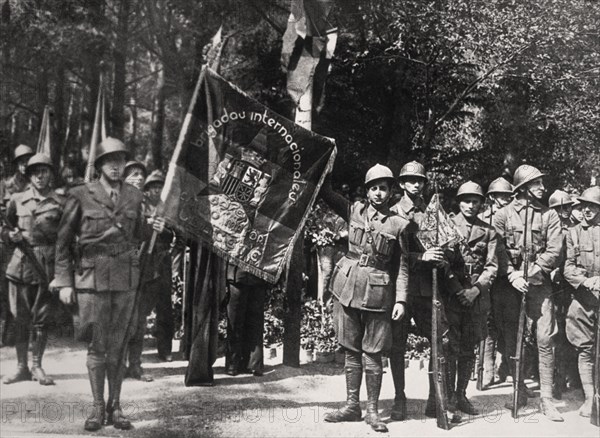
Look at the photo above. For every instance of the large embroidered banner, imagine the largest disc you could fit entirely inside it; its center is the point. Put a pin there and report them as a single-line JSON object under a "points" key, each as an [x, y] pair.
{"points": [[242, 178]]}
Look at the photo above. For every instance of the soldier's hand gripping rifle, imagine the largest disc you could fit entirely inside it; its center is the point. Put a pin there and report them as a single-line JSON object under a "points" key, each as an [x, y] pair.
{"points": [[595, 418], [518, 357], [437, 349]]}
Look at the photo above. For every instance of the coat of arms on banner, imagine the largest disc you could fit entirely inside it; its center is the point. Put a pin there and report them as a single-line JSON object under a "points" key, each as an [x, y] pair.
{"points": [[242, 179]]}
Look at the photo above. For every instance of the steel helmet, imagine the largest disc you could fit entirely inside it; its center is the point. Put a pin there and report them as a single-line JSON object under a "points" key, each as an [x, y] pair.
{"points": [[378, 172], [559, 198], [155, 177], [131, 164], [21, 151], [413, 168], [500, 185], [470, 188], [524, 174], [39, 160], [110, 145], [591, 195]]}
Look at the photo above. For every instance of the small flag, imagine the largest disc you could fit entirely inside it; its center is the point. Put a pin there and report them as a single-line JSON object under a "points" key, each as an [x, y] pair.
{"points": [[43, 145], [436, 228]]}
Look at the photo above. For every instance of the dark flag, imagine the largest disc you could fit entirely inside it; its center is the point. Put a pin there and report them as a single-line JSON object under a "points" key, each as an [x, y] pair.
{"points": [[242, 178], [308, 45]]}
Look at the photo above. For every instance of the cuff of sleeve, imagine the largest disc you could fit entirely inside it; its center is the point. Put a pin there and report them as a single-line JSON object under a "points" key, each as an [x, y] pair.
{"points": [[63, 280]]}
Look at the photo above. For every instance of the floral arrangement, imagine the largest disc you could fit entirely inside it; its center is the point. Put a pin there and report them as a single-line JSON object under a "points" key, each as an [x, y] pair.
{"points": [[322, 225], [317, 330]]}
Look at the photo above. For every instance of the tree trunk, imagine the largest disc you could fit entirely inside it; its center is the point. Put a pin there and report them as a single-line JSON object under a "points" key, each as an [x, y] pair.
{"points": [[159, 121], [57, 117], [120, 60]]}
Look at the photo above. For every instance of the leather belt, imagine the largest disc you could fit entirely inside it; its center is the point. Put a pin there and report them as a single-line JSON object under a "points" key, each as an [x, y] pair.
{"points": [[371, 261]]}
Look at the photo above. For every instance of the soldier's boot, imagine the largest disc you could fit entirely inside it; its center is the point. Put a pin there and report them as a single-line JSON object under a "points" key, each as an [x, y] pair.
{"points": [[488, 364], [549, 410], [586, 372], [351, 411], [372, 418], [115, 415], [22, 347], [462, 402], [135, 370], [96, 373], [38, 348], [502, 370], [451, 383], [398, 412]]}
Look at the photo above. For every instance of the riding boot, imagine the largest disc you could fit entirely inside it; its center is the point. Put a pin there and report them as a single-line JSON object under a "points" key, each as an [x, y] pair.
{"points": [[22, 347], [96, 373], [488, 363], [38, 348], [351, 411], [399, 408], [462, 402], [451, 383], [373, 379], [115, 415]]}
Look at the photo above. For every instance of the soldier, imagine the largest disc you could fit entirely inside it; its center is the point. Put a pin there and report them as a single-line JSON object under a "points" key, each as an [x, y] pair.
{"points": [[97, 255], [245, 321], [475, 263], [544, 244], [33, 216], [15, 184], [370, 284], [411, 207], [566, 356], [495, 371], [576, 213], [135, 174], [156, 289], [582, 271]]}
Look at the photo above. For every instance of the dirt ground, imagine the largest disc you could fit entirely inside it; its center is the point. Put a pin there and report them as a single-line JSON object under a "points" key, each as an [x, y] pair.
{"points": [[285, 402]]}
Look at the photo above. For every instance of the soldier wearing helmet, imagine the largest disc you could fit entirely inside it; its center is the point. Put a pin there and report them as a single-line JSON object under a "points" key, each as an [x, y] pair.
{"points": [[582, 271], [370, 284], [97, 254], [135, 174], [544, 242], [475, 263], [576, 213], [33, 216], [495, 366], [19, 181], [411, 207], [156, 289]]}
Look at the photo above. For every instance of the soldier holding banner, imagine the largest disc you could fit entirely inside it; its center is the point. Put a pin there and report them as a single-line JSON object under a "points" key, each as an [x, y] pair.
{"points": [[98, 267], [370, 284]]}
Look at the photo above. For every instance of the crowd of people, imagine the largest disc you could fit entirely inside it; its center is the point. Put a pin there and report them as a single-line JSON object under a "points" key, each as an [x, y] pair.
{"points": [[96, 242]]}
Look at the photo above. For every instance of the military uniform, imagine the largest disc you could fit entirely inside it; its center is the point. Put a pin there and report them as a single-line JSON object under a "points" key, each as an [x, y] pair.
{"points": [[156, 294], [475, 263], [98, 254], [31, 303], [582, 271], [367, 283], [544, 241], [245, 321]]}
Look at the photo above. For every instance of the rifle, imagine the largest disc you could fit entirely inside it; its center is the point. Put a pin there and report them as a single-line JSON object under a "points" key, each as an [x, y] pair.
{"points": [[480, 363], [518, 357], [595, 418], [437, 349], [27, 249]]}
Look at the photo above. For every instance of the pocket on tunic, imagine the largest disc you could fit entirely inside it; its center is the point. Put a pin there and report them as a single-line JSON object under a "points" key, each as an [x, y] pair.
{"points": [[94, 222], [378, 291], [339, 278]]}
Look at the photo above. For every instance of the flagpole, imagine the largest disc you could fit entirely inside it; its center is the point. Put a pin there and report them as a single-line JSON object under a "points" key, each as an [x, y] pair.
{"points": [[89, 170]]}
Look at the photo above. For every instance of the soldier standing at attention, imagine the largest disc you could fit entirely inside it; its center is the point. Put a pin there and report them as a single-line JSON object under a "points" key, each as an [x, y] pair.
{"points": [[495, 371], [33, 215], [135, 174], [475, 263], [15, 184], [544, 245], [155, 289], [582, 271], [104, 220], [370, 284], [411, 208]]}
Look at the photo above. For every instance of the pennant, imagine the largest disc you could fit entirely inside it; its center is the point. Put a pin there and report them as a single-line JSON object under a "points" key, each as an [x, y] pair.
{"points": [[436, 228], [308, 45], [213, 57], [43, 145], [98, 129], [242, 177]]}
